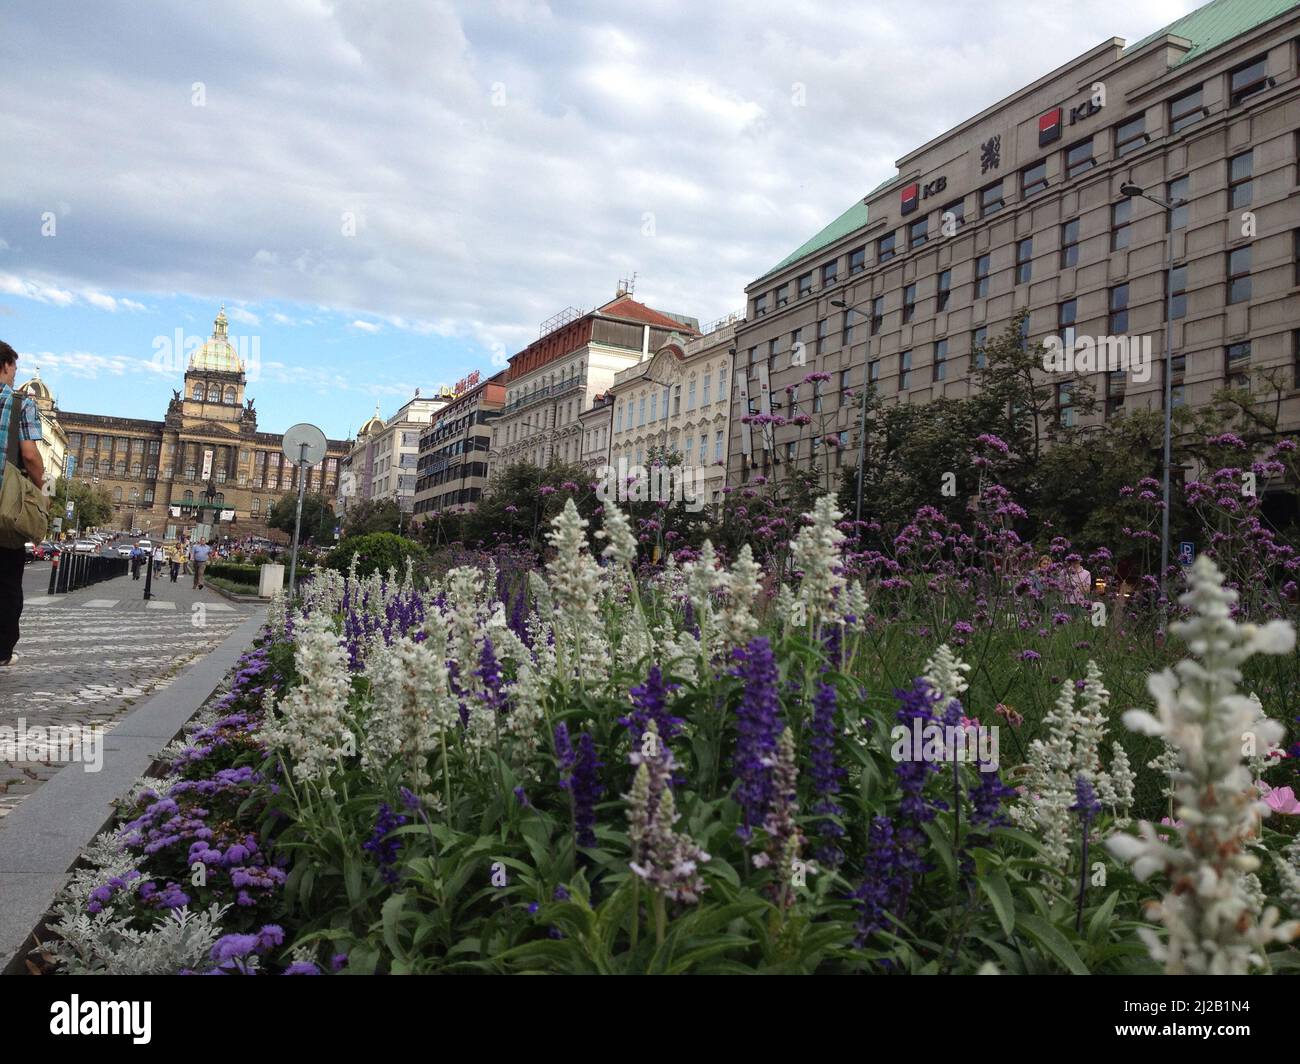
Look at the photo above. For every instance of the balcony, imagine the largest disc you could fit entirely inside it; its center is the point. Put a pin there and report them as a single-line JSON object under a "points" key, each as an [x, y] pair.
{"points": [[548, 392]]}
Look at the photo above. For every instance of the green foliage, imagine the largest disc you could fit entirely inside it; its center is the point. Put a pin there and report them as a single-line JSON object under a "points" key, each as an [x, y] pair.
{"points": [[318, 520], [378, 552], [93, 506], [370, 515]]}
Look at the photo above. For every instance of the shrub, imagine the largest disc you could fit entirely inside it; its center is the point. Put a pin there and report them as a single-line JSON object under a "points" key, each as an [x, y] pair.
{"points": [[378, 552]]}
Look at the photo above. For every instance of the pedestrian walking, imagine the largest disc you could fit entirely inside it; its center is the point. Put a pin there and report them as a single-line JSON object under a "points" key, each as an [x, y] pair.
{"points": [[199, 554], [137, 556], [174, 560], [22, 414]]}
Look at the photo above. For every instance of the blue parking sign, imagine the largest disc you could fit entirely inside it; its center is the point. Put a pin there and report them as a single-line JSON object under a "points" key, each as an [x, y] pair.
{"points": [[1186, 552]]}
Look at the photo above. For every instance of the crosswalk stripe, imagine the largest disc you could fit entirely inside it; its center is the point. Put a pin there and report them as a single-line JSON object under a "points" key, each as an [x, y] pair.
{"points": [[158, 605], [100, 604]]}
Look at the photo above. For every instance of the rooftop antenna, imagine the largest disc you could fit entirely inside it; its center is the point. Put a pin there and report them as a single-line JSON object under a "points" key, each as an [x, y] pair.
{"points": [[626, 286]]}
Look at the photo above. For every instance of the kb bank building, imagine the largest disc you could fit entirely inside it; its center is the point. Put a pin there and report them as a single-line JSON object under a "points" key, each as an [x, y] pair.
{"points": [[1024, 206]]}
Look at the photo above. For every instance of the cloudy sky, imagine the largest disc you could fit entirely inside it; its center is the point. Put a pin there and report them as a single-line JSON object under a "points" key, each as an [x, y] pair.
{"points": [[388, 194]]}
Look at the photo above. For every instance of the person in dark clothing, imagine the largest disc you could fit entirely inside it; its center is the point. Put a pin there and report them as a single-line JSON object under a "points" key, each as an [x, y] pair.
{"points": [[12, 559], [137, 556]]}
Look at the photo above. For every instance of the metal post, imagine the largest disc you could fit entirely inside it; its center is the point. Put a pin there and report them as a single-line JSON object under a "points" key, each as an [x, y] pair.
{"points": [[1169, 405], [297, 521], [148, 575]]}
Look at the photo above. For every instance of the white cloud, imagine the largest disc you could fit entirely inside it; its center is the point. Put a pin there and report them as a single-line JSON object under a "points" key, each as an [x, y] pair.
{"points": [[244, 317], [365, 326]]}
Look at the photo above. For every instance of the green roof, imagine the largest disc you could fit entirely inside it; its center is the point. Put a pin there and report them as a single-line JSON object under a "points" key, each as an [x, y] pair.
{"points": [[854, 218], [1207, 27], [1219, 22]]}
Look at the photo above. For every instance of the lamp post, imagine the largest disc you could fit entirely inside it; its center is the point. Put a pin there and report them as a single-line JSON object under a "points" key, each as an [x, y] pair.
{"points": [[1131, 190], [862, 429]]}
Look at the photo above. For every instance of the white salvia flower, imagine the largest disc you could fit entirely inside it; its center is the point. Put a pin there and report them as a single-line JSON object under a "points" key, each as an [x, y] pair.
{"points": [[816, 553], [277, 615], [618, 531], [853, 603], [704, 577], [575, 582], [944, 672], [1166, 763], [1288, 870], [1119, 785], [790, 608], [1212, 922], [412, 707], [737, 623], [310, 723]]}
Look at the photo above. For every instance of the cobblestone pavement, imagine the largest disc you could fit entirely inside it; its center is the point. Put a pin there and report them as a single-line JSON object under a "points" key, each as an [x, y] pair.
{"points": [[87, 657]]}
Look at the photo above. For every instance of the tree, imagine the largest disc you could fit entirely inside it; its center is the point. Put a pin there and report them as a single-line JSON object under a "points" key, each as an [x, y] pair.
{"points": [[92, 504], [318, 520], [379, 552], [382, 515]]}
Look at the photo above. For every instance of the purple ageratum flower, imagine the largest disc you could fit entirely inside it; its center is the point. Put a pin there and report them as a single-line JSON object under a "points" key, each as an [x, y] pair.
{"points": [[758, 727], [650, 702], [383, 849], [301, 968], [826, 776]]}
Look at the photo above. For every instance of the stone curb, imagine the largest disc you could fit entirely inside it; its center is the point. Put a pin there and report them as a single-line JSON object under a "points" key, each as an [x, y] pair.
{"points": [[44, 836]]}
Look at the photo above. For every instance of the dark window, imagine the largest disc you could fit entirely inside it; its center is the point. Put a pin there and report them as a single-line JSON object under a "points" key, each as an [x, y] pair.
{"points": [[1178, 300], [909, 303], [1295, 355], [1024, 332], [873, 372], [1121, 231], [991, 199], [1178, 189], [918, 233], [805, 285], [1070, 243], [1119, 309], [978, 358], [981, 277], [904, 371], [940, 359], [1186, 110], [846, 379], [1239, 274], [885, 248], [858, 259], [945, 290], [1024, 260], [1248, 79], [1078, 158], [1033, 179], [823, 330], [957, 208], [1066, 314], [830, 272], [846, 332], [1295, 254], [877, 314], [782, 295], [1130, 135], [1241, 171], [1236, 361], [1064, 405], [760, 304]]}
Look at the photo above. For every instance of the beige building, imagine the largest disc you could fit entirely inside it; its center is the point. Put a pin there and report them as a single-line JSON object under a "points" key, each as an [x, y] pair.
{"points": [[555, 379], [452, 468], [206, 464], [596, 424], [678, 400], [382, 462], [53, 446], [1020, 207]]}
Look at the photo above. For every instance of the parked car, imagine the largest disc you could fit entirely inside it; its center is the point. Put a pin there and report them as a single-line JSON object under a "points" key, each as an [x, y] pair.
{"points": [[84, 546], [30, 548], [47, 548], [146, 546], [124, 551]]}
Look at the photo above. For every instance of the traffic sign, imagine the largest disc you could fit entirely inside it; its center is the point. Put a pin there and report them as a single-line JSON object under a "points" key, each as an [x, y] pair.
{"points": [[68, 511], [1186, 552]]}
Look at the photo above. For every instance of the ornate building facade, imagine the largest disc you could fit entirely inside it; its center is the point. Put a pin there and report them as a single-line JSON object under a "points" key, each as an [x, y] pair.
{"points": [[205, 464]]}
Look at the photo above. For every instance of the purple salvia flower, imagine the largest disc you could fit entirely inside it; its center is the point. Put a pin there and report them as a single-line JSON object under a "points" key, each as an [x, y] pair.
{"points": [[758, 725]]}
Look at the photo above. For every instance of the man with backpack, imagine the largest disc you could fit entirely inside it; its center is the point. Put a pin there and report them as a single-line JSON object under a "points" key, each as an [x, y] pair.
{"points": [[20, 412]]}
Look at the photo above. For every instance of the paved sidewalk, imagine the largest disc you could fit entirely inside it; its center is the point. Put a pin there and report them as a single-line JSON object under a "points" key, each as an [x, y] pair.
{"points": [[87, 657]]}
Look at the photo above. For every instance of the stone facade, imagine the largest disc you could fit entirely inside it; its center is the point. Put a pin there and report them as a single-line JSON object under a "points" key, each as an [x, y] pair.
{"points": [[453, 463]]}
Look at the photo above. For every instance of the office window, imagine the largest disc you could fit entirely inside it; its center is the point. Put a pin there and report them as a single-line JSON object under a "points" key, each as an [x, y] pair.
{"points": [[978, 358], [1239, 274], [640, 412], [1236, 358], [817, 397], [704, 447], [1295, 256], [991, 199], [846, 379], [830, 271], [823, 330], [918, 233], [982, 276], [1295, 355], [1178, 303], [1247, 79], [1024, 332], [782, 294], [904, 371], [873, 371], [677, 399], [909, 303], [885, 248], [1024, 260], [717, 446], [1064, 405], [1118, 320], [1121, 229], [690, 395], [1066, 315], [1130, 135], [1033, 179], [796, 338], [877, 314], [618, 417], [957, 208], [1178, 189], [945, 289], [654, 407], [773, 349], [1078, 158], [760, 304], [940, 360], [1186, 110], [792, 450], [858, 260], [690, 446], [805, 285], [1241, 171], [1070, 243], [846, 328]]}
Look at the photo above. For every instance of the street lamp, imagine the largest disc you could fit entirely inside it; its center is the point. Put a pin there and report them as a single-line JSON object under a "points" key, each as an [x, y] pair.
{"points": [[1130, 190], [862, 430]]}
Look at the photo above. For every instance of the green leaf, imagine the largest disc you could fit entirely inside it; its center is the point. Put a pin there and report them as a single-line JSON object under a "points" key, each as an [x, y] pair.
{"points": [[1055, 943], [999, 894]]}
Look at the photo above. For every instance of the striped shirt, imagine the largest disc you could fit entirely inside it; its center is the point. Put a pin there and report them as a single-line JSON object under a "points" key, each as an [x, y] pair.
{"points": [[29, 427]]}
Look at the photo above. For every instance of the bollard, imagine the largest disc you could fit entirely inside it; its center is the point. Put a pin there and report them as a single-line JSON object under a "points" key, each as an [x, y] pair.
{"points": [[54, 572], [148, 577]]}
